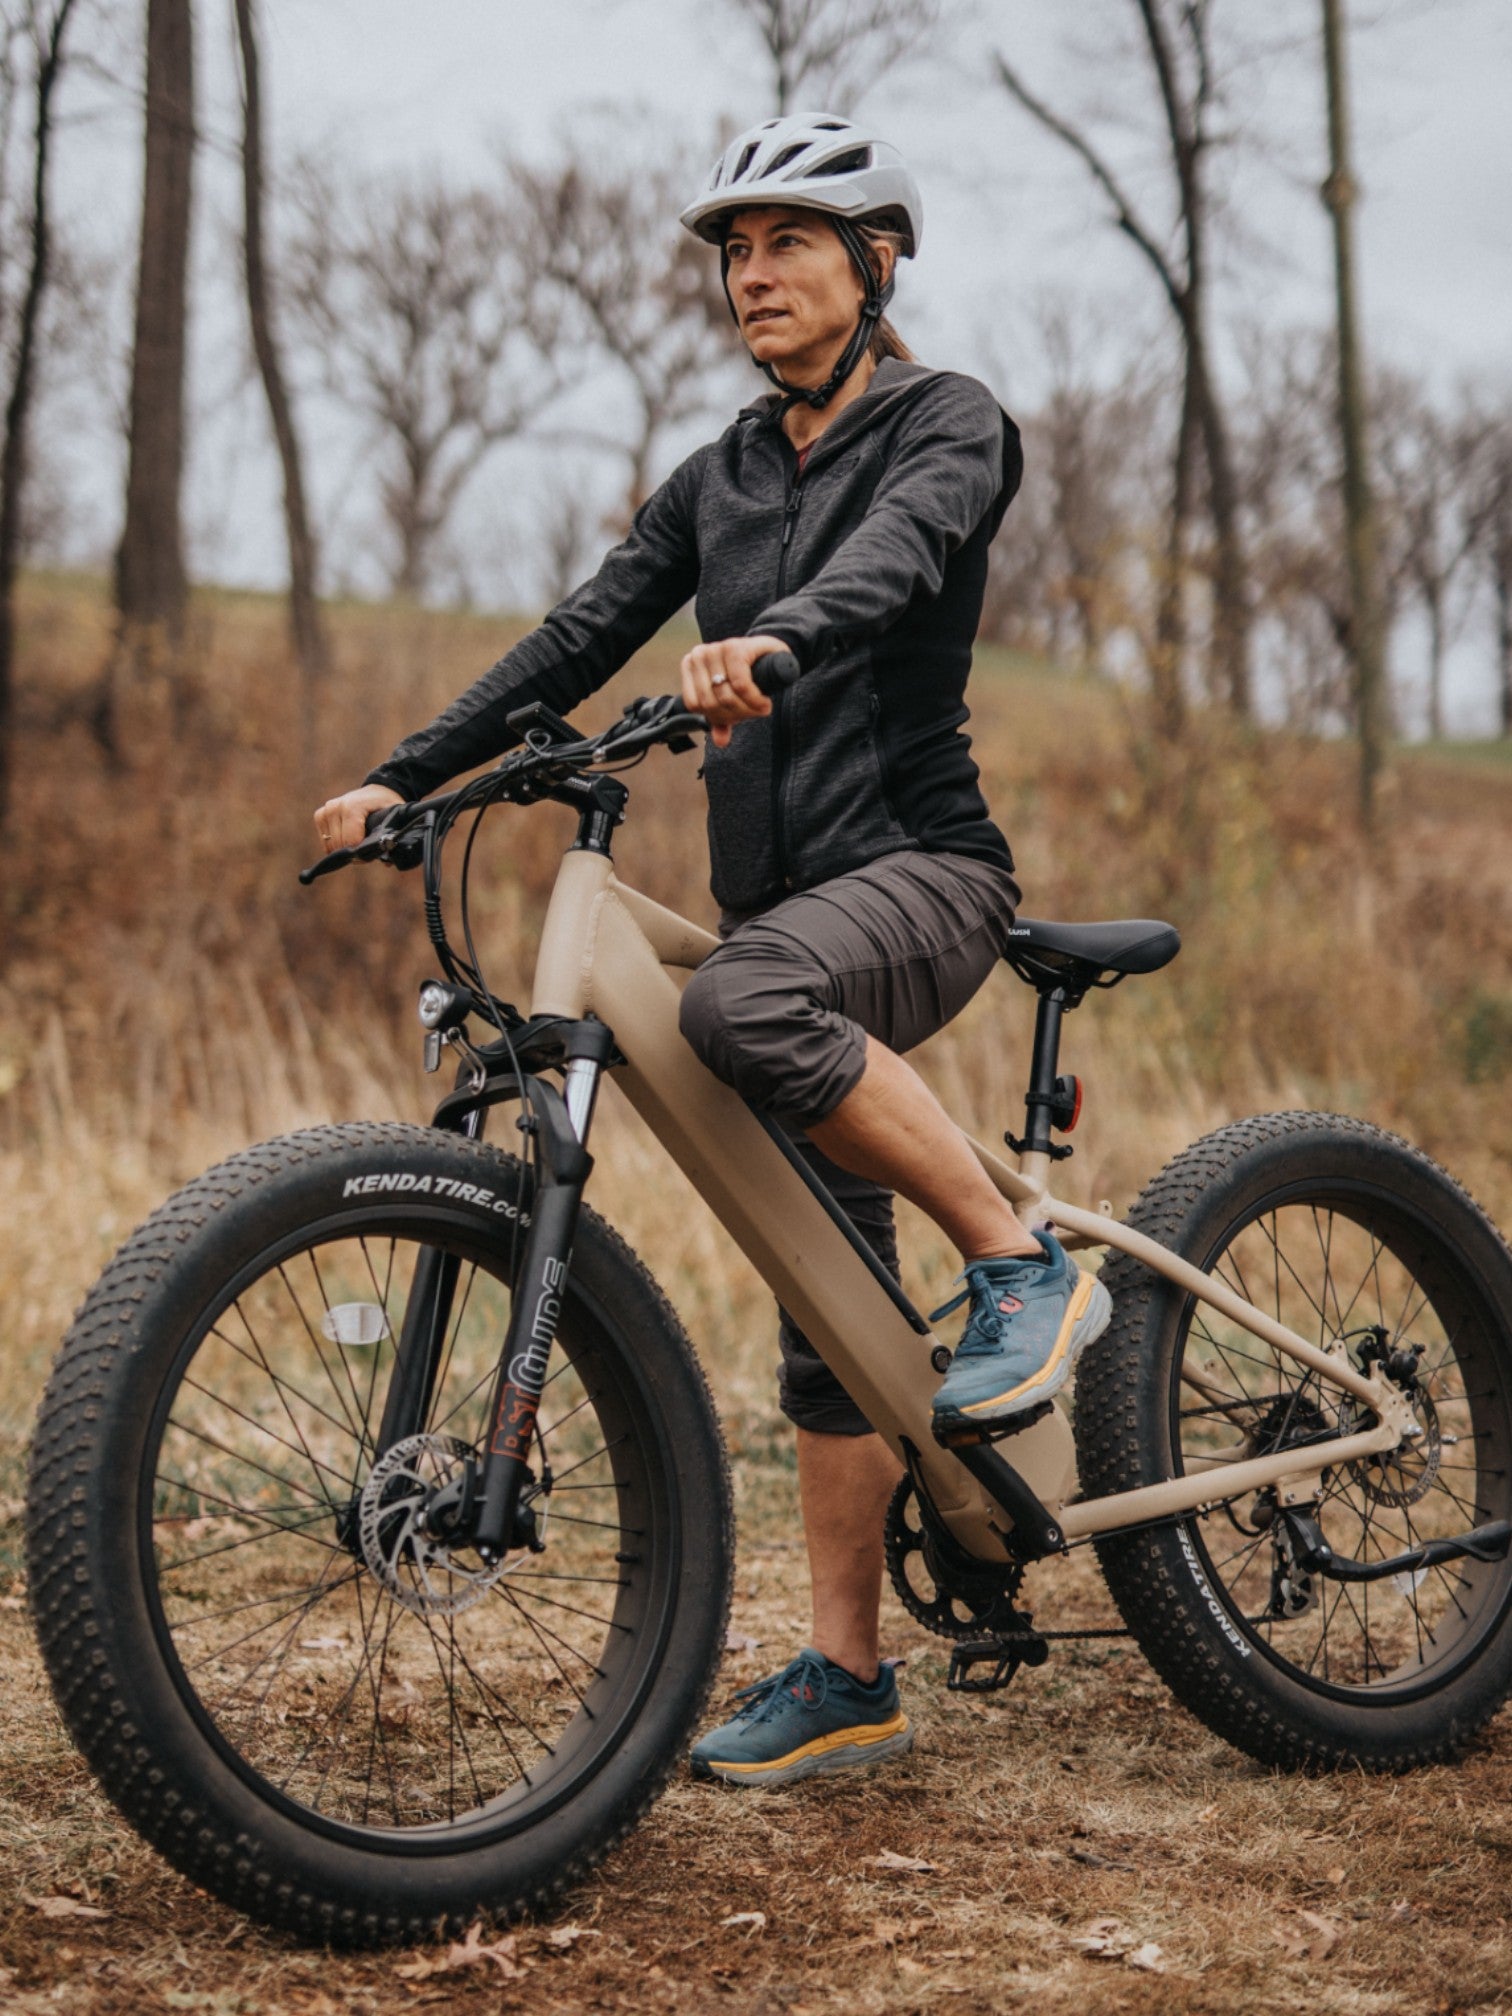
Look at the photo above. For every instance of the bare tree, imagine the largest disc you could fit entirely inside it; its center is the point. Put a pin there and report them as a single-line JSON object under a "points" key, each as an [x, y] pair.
{"points": [[151, 584], [1070, 568], [414, 301], [304, 613], [1426, 468], [1492, 508], [42, 30], [1367, 642], [1178, 43], [832, 52], [611, 268]]}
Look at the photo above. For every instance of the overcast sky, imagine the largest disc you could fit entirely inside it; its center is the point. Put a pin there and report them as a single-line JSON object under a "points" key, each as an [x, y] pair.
{"points": [[389, 84]]}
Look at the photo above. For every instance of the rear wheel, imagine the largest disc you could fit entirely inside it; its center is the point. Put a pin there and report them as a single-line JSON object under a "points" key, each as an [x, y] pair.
{"points": [[1355, 1241], [278, 1667]]}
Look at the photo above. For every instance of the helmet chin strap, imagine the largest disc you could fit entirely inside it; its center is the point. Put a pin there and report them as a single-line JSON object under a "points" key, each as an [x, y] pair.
{"points": [[872, 310]]}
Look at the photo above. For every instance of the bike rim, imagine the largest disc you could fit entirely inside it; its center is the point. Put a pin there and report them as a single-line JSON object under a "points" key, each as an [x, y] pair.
{"points": [[1333, 1260], [362, 1707]]}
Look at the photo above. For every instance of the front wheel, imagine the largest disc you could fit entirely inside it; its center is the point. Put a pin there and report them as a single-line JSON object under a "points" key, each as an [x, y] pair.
{"points": [[1356, 1241], [277, 1667]]}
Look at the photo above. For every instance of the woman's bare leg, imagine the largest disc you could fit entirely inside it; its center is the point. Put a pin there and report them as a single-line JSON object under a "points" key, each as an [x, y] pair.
{"points": [[844, 1483], [891, 1127]]}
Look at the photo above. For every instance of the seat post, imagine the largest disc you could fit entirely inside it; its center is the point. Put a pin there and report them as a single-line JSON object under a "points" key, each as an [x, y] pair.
{"points": [[1042, 1074]]}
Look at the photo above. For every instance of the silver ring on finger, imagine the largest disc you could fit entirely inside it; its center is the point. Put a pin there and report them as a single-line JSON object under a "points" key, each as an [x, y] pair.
{"points": [[719, 679]]}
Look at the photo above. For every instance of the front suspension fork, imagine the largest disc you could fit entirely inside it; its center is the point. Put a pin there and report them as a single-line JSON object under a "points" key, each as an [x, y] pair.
{"points": [[559, 1122]]}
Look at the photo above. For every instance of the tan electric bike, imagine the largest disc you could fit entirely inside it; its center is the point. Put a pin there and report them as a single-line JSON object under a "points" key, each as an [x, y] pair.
{"points": [[380, 1528]]}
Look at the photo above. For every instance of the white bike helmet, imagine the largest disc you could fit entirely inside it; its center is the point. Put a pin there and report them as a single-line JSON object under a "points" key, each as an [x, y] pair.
{"points": [[816, 161]]}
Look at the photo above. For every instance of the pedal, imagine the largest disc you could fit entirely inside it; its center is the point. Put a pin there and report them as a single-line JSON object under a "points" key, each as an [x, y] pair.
{"points": [[1004, 1655], [973, 1438]]}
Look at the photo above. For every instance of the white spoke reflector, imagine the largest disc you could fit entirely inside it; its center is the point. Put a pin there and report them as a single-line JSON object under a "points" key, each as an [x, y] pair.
{"points": [[355, 1323]]}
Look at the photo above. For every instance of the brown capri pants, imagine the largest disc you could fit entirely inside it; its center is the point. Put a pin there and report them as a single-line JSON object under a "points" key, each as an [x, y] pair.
{"points": [[782, 1010]]}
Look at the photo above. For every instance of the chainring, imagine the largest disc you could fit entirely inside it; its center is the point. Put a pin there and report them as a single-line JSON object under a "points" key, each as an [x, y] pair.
{"points": [[959, 1606], [419, 1569]]}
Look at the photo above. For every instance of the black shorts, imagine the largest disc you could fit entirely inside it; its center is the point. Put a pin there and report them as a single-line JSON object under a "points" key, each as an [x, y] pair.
{"points": [[782, 1010]]}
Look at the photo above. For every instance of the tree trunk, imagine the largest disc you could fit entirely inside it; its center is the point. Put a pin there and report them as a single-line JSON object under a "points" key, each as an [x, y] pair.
{"points": [[1504, 637], [1166, 672], [151, 587], [1433, 603], [13, 452], [1366, 641], [1231, 613], [304, 612]]}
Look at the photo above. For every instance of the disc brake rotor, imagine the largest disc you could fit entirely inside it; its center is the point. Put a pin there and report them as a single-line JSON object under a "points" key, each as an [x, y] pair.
{"points": [[418, 1568]]}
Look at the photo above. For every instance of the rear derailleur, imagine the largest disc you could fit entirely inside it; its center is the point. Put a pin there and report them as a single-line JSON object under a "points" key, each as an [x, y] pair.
{"points": [[956, 1596]]}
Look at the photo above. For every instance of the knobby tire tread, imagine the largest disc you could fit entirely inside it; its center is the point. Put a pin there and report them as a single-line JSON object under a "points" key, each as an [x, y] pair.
{"points": [[1160, 1605], [58, 1572]]}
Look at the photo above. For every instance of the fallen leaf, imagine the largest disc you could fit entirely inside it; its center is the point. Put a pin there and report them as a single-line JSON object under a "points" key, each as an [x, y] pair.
{"points": [[754, 1921], [63, 1907], [1208, 1813], [741, 1641], [1306, 1936], [1147, 1958], [1402, 1913], [323, 1644], [569, 1935], [890, 1931], [467, 1952], [903, 1865], [1096, 1861], [1335, 1876]]}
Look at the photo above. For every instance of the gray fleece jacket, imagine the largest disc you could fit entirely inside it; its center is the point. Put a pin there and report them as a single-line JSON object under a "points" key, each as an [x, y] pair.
{"points": [[870, 564]]}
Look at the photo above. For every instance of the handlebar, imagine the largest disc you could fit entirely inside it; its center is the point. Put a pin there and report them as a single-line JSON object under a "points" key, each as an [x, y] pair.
{"points": [[552, 751], [773, 670]]}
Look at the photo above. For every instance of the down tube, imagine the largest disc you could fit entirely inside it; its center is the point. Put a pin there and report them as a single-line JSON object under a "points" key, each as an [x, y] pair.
{"points": [[764, 1205]]}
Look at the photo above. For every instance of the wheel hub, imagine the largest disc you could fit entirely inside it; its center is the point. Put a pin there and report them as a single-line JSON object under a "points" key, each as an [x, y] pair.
{"points": [[414, 1559]]}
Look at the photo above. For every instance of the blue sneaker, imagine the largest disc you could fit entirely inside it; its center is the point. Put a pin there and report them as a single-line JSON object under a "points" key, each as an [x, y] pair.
{"points": [[1028, 1321], [810, 1720]]}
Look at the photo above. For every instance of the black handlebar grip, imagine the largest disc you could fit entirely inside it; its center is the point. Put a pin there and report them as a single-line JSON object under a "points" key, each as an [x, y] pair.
{"points": [[773, 670]]}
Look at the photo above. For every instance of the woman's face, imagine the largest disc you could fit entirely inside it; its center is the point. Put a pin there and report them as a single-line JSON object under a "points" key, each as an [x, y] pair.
{"points": [[794, 289]]}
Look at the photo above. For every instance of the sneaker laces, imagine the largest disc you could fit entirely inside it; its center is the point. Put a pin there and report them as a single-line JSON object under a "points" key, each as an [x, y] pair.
{"points": [[806, 1677], [985, 1323]]}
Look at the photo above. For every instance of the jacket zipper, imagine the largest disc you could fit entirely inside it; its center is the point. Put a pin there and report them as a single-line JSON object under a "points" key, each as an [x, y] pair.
{"points": [[779, 740]]}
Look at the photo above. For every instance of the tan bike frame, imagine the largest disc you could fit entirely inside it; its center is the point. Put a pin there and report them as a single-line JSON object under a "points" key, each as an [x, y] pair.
{"points": [[608, 951]]}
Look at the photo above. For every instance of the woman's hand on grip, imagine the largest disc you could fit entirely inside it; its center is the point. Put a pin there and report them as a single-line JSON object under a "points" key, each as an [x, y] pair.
{"points": [[342, 822], [717, 682]]}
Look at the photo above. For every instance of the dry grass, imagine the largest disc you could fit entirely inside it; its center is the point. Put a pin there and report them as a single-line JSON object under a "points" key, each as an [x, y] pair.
{"points": [[169, 994]]}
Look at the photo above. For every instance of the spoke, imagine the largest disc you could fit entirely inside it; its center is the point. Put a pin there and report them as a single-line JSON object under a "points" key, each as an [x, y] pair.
{"points": [[284, 1386], [556, 1603], [247, 1462], [299, 1531], [365, 1436], [316, 1593], [542, 1633], [452, 1336], [1282, 1261], [300, 1448]]}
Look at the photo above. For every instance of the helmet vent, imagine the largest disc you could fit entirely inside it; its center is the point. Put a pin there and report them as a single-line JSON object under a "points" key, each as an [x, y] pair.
{"points": [[852, 163], [744, 162], [787, 154]]}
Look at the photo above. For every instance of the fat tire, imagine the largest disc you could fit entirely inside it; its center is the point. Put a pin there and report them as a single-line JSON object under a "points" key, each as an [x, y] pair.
{"points": [[1123, 1438], [91, 1612]]}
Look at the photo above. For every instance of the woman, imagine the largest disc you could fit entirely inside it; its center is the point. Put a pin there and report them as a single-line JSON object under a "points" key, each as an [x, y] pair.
{"points": [[865, 893]]}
